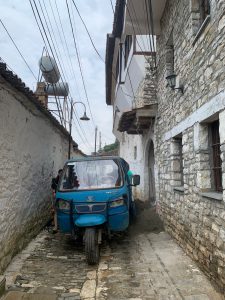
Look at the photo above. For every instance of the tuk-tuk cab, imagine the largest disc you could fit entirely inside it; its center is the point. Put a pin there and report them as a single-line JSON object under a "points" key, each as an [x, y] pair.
{"points": [[94, 195]]}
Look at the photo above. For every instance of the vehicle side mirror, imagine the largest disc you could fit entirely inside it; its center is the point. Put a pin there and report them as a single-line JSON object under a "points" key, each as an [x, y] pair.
{"points": [[136, 180]]}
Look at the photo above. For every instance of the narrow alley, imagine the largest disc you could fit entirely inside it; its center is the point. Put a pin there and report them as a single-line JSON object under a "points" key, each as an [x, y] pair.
{"points": [[105, 105], [144, 263]]}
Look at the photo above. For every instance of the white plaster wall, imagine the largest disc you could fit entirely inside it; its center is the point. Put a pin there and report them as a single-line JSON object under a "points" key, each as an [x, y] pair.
{"points": [[132, 76], [32, 149], [136, 165], [140, 165]]}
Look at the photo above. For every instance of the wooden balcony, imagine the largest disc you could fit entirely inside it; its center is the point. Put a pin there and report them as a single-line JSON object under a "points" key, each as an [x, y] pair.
{"points": [[137, 120]]}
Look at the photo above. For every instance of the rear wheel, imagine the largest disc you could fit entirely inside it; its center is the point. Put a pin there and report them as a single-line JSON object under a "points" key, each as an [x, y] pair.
{"points": [[91, 246]]}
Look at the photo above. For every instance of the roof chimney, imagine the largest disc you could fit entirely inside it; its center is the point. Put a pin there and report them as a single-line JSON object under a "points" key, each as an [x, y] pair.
{"points": [[41, 93]]}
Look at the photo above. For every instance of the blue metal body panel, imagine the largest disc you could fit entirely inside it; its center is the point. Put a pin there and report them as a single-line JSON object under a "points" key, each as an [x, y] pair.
{"points": [[90, 220], [64, 222], [119, 222]]}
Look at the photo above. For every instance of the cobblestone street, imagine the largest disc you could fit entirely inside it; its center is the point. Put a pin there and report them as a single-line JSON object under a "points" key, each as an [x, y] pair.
{"points": [[145, 263]]}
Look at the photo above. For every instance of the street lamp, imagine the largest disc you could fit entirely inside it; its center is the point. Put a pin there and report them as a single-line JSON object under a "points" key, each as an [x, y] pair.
{"points": [[84, 118], [171, 79]]}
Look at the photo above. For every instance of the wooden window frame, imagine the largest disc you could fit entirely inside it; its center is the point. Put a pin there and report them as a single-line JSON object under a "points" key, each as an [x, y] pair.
{"points": [[127, 48], [180, 147], [215, 161]]}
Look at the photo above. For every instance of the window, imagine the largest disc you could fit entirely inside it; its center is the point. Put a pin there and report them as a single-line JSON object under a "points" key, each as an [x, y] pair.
{"points": [[135, 152], [180, 154], [170, 56], [127, 47], [177, 162], [216, 163], [200, 15], [91, 175], [204, 10], [117, 67]]}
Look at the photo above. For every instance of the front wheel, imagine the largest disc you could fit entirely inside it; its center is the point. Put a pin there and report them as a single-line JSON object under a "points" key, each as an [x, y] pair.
{"points": [[91, 246]]}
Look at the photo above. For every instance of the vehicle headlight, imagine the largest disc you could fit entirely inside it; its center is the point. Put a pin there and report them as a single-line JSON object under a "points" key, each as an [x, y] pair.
{"points": [[117, 202], [62, 204]]}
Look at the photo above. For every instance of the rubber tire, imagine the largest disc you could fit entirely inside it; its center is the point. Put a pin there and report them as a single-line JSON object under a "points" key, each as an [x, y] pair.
{"points": [[91, 246]]}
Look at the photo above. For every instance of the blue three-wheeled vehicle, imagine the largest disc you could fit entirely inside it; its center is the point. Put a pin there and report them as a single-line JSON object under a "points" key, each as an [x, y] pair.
{"points": [[94, 195]]}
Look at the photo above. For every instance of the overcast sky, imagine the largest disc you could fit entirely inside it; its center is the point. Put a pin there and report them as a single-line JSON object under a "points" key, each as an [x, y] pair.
{"points": [[19, 20]]}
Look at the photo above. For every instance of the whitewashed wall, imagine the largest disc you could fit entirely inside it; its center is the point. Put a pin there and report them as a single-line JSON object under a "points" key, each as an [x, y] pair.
{"points": [[139, 165], [32, 149]]}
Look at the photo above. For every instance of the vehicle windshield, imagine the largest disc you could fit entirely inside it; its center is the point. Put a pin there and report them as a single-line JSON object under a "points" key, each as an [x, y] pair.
{"points": [[91, 175]]}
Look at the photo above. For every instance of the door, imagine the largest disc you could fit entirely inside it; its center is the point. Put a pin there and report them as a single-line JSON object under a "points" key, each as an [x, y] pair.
{"points": [[151, 174]]}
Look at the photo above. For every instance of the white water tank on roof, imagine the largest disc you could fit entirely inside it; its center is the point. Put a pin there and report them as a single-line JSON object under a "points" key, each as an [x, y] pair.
{"points": [[60, 89], [49, 69]]}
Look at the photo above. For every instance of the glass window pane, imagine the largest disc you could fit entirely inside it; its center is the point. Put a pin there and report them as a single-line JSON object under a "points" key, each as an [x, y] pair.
{"points": [[88, 175]]}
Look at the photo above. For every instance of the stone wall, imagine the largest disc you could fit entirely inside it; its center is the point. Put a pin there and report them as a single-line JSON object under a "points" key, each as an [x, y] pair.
{"points": [[32, 149], [192, 213]]}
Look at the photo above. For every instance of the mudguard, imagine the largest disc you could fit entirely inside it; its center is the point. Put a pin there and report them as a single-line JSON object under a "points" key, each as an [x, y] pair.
{"points": [[90, 220]]}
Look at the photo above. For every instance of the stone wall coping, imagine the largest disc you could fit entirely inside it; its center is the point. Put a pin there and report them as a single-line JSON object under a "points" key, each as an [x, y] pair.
{"points": [[213, 195], [179, 189]]}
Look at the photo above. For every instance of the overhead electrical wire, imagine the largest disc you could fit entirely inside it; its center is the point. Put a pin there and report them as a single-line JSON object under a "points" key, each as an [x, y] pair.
{"points": [[18, 49], [95, 48], [64, 45], [61, 66], [90, 125], [85, 26], [69, 56], [70, 99], [58, 57], [67, 108], [79, 62], [39, 73], [45, 43], [78, 51], [112, 6], [53, 44], [61, 120]]}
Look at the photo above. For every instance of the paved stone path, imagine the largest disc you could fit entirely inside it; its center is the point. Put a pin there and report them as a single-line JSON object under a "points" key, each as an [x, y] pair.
{"points": [[143, 264]]}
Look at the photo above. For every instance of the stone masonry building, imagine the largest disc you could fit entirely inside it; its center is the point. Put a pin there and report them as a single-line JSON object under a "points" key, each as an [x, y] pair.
{"points": [[188, 135], [190, 130]]}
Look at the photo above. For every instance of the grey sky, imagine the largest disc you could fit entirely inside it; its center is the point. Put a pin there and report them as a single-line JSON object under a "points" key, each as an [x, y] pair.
{"points": [[18, 18]]}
